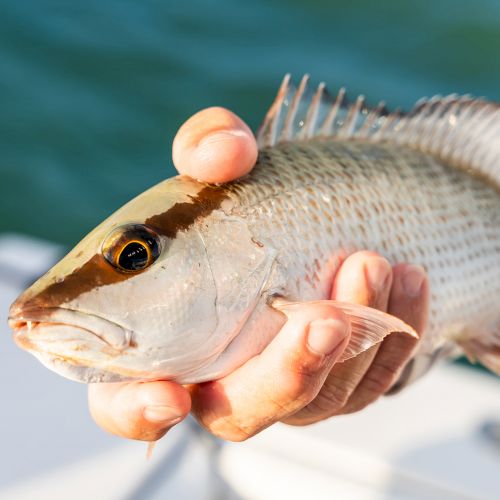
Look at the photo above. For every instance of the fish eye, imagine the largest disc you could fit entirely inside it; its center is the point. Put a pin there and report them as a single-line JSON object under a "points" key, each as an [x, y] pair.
{"points": [[131, 248]]}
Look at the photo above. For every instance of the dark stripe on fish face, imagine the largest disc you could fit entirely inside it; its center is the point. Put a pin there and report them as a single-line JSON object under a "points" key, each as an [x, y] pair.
{"points": [[181, 216], [98, 272], [95, 272]]}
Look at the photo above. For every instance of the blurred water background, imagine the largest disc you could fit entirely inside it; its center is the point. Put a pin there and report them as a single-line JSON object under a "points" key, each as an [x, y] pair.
{"points": [[92, 92]]}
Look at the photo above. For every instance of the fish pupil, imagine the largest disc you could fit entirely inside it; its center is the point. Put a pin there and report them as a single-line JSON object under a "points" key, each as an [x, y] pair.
{"points": [[133, 257], [132, 247]]}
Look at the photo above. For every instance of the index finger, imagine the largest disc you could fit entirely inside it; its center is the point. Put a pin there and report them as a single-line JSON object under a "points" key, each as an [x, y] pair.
{"points": [[214, 145]]}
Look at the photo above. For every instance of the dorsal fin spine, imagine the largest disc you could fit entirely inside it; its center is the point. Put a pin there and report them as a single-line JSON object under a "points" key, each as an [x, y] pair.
{"points": [[374, 118], [444, 133], [288, 127], [476, 131], [488, 135], [352, 116], [267, 133], [327, 127], [465, 109], [312, 115], [463, 131]]}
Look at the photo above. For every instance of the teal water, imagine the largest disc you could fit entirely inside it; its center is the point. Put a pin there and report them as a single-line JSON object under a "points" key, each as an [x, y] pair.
{"points": [[91, 93]]}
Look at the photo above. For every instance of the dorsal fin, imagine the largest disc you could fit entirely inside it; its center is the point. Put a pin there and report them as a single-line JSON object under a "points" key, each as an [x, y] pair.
{"points": [[461, 130]]}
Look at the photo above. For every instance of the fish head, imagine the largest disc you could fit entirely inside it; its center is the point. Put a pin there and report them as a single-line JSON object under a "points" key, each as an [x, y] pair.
{"points": [[135, 299]]}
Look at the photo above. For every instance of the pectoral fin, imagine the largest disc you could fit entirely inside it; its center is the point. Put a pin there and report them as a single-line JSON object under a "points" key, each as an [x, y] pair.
{"points": [[368, 326]]}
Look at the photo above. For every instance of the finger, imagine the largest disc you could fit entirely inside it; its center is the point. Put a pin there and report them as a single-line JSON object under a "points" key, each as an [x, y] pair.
{"points": [[283, 378], [214, 145], [409, 300], [364, 278], [139, 410]]}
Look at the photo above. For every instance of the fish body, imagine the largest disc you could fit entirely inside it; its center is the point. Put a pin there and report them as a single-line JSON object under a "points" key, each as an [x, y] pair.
{"points": [[181, 282]]}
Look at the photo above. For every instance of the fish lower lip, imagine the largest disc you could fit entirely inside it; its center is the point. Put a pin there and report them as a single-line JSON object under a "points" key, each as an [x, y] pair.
{"points": [[26, 323], [31, 337]]}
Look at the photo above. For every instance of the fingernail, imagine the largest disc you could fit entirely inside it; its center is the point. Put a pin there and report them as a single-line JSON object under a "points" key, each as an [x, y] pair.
{"points": [[412, 280], [222, 135], [377, 272], [162, 415], [325, 335]]}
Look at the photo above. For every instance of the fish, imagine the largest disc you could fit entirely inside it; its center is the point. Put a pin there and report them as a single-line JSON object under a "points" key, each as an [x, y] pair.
{"points": [[189, 280]]}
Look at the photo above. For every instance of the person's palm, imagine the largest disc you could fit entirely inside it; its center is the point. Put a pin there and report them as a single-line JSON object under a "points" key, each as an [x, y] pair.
{"points": [[295, 379]]}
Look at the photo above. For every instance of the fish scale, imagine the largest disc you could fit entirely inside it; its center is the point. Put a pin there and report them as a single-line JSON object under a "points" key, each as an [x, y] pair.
{"points": [[336, 197]]}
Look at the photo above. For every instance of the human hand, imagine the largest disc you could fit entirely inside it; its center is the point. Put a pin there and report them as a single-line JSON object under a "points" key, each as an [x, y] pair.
{"points": [[295, 379]]}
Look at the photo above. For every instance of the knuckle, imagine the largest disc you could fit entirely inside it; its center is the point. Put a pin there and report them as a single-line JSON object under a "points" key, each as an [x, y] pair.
{"points": [[382, 374], [331, 399], [379, 380], [375, 383]]}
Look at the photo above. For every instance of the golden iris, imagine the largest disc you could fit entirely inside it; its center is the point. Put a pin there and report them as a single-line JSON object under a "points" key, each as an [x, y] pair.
{"points": [[131, 248]]}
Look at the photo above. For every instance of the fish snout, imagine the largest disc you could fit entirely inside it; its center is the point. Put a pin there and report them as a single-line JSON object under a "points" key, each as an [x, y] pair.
{"points": [[29, 300], [17, 307], [23, 325], [21, 319]]}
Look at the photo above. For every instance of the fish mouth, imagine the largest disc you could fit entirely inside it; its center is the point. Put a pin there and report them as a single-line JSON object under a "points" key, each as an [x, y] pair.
{"points": [[68, 333]]}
